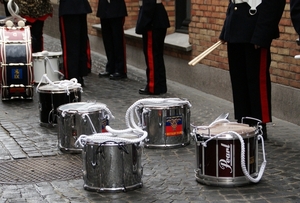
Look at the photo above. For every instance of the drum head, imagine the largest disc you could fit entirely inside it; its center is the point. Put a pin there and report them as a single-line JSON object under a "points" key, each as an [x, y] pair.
{"points": [[240, 128], [49, 54], [81, 107], [165, 105], [49, 88]]}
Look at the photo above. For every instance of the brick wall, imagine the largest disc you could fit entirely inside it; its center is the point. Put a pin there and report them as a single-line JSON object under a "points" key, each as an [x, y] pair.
{"points": [[204, 30], [206, 22], [133, 10]]}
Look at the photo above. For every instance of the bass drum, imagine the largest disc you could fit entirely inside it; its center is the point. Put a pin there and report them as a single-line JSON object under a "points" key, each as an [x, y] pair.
{"points": [[16, 72]]}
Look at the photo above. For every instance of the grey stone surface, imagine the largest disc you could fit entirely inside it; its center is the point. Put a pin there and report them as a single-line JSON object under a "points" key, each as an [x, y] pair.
{"points": [[168, 174]]}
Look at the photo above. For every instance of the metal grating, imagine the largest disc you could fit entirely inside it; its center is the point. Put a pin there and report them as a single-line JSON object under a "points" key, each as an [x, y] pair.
{"points": [[35, 170]]}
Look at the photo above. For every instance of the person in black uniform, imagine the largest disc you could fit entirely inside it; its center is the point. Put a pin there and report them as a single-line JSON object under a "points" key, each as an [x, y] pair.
{"points": [[152, 23], [249, 34], [74, 38], [112, 16], [295, 14], [35, 14], [4, 2]]}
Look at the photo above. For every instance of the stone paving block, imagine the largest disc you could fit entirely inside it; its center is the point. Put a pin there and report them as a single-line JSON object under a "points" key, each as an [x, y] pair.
{"points": [[168, 174]]}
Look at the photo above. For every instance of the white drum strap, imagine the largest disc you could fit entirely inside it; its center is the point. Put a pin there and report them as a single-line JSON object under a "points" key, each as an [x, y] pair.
{"points": [[14, 14], [106, 115], [113, 136], [64, 84], [129, 116], [252, 3], [50, 65]]}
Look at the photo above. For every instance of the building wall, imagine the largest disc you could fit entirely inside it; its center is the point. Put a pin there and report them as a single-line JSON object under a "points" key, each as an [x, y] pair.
{"points": [[211, 74], [207, 21]]}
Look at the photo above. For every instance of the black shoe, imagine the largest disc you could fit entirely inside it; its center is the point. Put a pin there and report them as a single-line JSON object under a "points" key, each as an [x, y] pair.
{"points": [[146, 92], [104, 74], [117, 76], [81, 81], [264, 131]]}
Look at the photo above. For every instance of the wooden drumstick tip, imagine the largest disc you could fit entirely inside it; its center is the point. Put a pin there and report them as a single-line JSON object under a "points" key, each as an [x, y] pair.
{"points": [[204, 54], [21, 23], [9, 23]]}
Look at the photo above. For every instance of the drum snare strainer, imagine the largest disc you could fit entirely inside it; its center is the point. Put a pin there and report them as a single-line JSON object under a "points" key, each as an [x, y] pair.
{"points": [[227, 153]]}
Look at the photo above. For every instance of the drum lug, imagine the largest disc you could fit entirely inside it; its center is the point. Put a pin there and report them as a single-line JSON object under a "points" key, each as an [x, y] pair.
{"points": [[198, 138], [74, 133], [40, 106], [123, 148], [94, 161]]}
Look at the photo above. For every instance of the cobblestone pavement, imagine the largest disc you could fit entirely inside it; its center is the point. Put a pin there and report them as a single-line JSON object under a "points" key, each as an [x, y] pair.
{"points": [[168, 174]]}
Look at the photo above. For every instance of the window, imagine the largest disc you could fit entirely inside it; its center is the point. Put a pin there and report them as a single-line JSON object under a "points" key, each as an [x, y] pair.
{"points": [[183, 15]]}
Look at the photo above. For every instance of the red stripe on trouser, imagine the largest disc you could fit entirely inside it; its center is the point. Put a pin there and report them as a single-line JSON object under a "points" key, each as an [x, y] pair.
{"points": [[88, 54], [64, 47], [265, 110], [124, 51], [150, 62]]}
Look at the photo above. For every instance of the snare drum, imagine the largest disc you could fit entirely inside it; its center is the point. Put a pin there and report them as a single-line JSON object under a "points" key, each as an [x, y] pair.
{"points": [[51, 97], [112, 167], [49, 63], [75, 119], [167, 124], [219, 163]]}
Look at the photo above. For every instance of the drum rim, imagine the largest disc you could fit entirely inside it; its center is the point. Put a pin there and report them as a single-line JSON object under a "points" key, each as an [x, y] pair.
{"points": [[108, 143], [59, 91], [249, 132], [51, 54], [41, 89], [164, 106], [59, 109]]}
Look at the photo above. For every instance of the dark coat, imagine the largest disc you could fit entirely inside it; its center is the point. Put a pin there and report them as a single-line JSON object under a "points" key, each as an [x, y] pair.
{"points": [[259, 29], [114, 9], [72, 7], [295, 14], [152, 16]]}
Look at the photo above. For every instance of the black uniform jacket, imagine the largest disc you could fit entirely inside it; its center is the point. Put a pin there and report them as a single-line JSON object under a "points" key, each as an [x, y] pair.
{"points": [[259, 29], [295, 14], [112, 9], [71, 7], [152, 15]]}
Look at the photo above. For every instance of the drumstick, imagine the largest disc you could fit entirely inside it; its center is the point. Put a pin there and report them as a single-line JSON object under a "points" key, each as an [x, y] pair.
{"points": [[204, 54], [200, 55]]}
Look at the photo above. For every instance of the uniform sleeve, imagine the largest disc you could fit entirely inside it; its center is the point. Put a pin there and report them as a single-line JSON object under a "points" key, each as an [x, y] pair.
{"points": [[295, 14], [270, 13], [146, 15]]}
